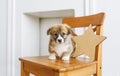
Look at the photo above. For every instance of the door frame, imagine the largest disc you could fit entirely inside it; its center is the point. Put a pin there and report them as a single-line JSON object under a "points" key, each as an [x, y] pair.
{"points": [[11, 38]]}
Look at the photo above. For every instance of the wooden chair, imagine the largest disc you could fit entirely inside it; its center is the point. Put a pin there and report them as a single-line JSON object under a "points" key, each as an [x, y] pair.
{"points": [[42, 66]]}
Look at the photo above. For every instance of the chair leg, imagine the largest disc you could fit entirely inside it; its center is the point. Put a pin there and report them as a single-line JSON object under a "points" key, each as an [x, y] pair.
{"points": [[23, 72], [99, 72]]}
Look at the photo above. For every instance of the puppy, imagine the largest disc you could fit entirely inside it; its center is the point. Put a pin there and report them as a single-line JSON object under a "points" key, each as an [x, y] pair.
{"points": [[61, 43]]}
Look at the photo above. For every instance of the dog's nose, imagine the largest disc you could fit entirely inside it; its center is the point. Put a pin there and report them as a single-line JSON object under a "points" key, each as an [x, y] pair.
{"points": [[59, 40]]}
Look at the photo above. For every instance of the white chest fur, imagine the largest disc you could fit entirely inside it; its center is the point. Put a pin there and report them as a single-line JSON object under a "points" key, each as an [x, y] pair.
{"points": [[61, 48]]}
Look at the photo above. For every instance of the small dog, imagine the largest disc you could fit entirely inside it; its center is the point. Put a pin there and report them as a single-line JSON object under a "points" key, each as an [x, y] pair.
{"points": [[61, 43]]}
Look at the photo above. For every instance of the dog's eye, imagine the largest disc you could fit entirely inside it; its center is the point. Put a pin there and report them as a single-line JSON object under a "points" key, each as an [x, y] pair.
{"points": [[55, 34], [63, 33]]}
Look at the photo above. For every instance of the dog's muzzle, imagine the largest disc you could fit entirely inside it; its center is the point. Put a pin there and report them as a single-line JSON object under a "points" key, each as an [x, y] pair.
{"points": [[60, 39]]}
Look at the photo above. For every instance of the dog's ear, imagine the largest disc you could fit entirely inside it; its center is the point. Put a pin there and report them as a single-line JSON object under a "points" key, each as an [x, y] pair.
{"points": [[48, 31], [70, 31]]}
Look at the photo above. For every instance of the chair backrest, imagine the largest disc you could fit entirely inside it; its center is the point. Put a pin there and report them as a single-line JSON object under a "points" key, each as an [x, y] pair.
{"points": [[96, 20]]}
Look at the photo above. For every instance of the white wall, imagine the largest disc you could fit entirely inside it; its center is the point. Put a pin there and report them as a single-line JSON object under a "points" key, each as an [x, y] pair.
{"points": [[29, 36], [111, 48], [3, 37]]}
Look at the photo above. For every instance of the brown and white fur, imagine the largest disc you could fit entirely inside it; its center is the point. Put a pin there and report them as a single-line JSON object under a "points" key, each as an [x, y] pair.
{"points": [[61, 43]]}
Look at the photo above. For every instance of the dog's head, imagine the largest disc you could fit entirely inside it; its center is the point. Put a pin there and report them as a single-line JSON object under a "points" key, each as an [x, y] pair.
{"points": [[59, 32]]}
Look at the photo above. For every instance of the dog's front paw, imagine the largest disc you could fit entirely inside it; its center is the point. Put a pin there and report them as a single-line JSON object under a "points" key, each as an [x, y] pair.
{"points": [[66, 58], [52, 56]]}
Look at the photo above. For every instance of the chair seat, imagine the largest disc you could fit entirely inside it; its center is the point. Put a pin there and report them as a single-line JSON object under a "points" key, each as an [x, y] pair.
{"points": [[58, 64]]}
